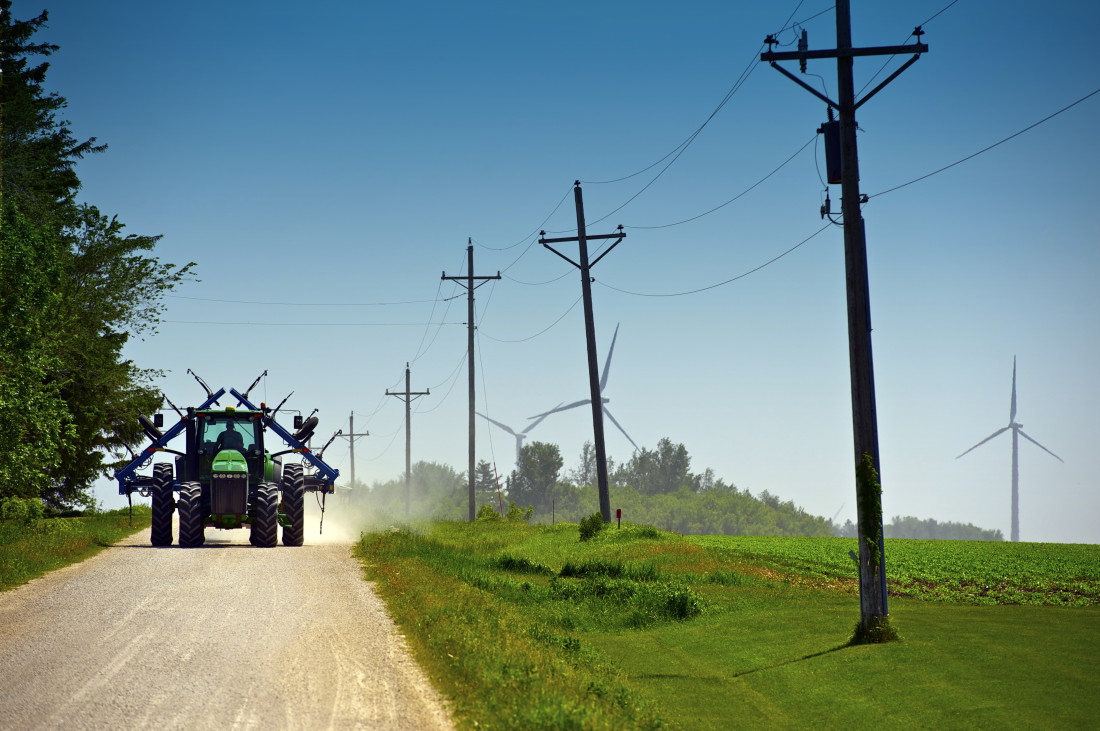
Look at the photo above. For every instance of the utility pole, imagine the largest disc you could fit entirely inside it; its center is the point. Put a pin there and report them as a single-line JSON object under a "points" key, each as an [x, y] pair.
{"points": [[585, 267], [872, 568], [468, 282], [408, 397], [351, 436]]}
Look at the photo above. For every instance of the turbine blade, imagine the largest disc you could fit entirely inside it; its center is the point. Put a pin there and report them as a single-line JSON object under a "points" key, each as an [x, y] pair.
{"points": [[607, 363], [1040, 446], [999, 431], [539, 421], [609, 416], [1012, 410], [561, 408], [505, 427]]}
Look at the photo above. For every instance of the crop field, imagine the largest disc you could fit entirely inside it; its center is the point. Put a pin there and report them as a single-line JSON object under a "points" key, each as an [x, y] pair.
{"points": [[529, 627], [971, 572]]}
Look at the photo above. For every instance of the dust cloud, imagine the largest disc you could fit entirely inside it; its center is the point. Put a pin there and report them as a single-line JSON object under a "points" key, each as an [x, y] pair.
{"points": [[344, 522]]}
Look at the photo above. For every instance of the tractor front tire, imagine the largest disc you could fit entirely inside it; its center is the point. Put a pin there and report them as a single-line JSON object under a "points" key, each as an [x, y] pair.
{"points": [[294, 505], [265, 516], [164, 504], [192, 516]]}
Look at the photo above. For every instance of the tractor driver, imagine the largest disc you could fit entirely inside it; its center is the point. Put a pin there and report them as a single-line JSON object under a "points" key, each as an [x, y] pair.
{"points": [[230, 439]]}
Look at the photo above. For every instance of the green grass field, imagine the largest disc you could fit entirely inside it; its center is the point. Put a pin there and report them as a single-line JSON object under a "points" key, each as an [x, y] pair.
{"points": [[29, 550], [525, 626]]}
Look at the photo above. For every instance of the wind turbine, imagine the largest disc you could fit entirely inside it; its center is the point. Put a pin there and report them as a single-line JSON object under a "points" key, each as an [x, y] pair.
{"points": [[520, 436], [603, 401], [1017, 432]]}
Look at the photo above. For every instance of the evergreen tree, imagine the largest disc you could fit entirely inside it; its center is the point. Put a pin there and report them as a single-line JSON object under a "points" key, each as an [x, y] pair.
{"points": [[485, 485]]}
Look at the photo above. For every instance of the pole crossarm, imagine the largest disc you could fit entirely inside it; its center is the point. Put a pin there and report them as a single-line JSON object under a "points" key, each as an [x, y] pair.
{"points": [[917, 48], [617, 236]]}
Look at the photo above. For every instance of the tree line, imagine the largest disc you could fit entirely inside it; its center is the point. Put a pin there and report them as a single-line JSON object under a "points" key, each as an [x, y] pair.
{"points": [[654, 487], [911, 527], [74, 288]]}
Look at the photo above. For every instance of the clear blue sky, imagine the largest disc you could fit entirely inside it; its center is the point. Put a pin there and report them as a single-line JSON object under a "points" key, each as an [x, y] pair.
{"points": [[330, 155]]}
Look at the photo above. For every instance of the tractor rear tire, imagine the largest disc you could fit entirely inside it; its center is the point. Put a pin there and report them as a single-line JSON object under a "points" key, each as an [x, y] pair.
{"points": [[294, 505], [164, 504], [265, 516], [192, 516]]}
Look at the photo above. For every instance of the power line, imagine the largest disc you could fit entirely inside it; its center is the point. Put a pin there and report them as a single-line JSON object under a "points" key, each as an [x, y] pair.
{"points": [[454, 379], [719, 284], [538, 284], [682, 147], [309, 324], [540, 332], [300, 304], [533, 233], [990, 147], [891, 58], [420, 349], [731, 200], [451, 374], [799, 23]]}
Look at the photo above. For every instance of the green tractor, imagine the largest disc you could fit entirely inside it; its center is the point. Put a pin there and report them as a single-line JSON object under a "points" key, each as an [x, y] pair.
{"points": [[226, 478]]}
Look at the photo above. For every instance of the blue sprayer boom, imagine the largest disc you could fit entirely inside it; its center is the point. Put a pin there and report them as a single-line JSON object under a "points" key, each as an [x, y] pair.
{"points": [[225, 477]]}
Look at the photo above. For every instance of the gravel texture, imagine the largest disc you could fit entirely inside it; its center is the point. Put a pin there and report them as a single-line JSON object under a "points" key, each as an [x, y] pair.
{"points": [[226, 636]]}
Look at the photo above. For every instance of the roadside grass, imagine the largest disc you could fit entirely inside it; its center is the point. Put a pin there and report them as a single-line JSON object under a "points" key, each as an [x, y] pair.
{"points": [[527, 627], [30, 549]]}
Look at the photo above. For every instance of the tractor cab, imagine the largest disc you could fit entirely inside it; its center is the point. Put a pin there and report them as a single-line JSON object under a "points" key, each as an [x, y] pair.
{"points": [[230, 441]]}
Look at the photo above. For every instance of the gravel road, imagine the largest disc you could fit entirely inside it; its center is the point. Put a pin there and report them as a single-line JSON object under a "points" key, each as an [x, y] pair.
{"points": [[220, 637]]}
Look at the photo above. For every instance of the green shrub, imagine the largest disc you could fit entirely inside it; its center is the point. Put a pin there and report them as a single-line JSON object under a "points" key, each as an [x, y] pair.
{"points": [[516, 514], [591, 526], [487, 513], [22, 510]]}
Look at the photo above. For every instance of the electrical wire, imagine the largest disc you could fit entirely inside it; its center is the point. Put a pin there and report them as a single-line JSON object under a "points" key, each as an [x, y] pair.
{"points": [[719, 284], [990, 147], [299, 304], [533, 233], [682, 147], [452, 373], [420, 349], [892, 57], [485, 399], [540, 332], [731, 200], [687, 143], [492, 291], [938, 12], [387, 447], [457, 373], [799, 23], [538, 284], [310, 324]]}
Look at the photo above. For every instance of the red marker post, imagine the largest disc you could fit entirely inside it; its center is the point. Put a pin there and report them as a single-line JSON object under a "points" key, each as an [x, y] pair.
{"points": [[619, 517]]}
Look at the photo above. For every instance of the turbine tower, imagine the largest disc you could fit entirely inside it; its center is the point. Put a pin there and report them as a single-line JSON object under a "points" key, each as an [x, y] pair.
{"points": [[1017, 432], [520, 436], [603, 401]]}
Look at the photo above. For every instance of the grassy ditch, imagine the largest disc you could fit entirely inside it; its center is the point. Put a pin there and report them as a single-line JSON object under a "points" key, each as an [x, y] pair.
{"points": [[529, 627], [29, 549]]}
